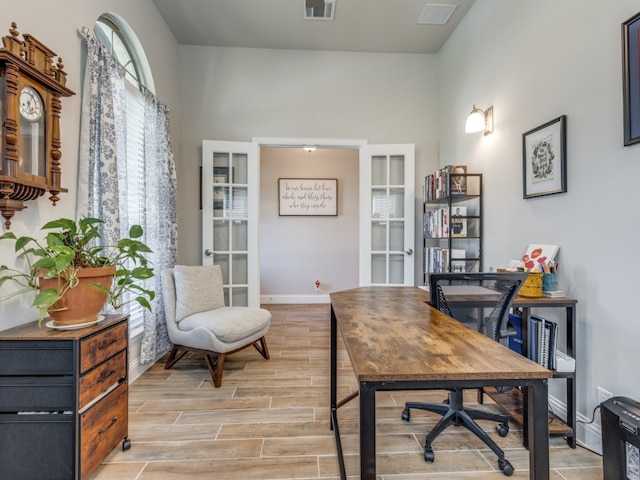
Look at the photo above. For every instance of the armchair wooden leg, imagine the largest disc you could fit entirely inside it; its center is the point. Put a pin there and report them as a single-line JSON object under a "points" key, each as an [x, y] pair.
{"points": [[263, 349], [215, 367], [177, 352]]}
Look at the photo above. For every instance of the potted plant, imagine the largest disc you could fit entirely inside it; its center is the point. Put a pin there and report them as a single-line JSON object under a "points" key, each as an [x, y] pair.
{"points": [[69, 268]]}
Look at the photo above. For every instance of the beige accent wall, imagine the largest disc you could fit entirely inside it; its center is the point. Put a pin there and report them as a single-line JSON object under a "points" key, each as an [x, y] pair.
{"points": [[295, 251]]}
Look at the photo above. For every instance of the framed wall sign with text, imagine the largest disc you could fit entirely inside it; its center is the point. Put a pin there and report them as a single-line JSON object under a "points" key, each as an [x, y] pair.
{"points": [[307, 196]]}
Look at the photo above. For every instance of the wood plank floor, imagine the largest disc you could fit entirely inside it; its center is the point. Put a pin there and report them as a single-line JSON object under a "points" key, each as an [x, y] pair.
{"points": [[270, 420]]}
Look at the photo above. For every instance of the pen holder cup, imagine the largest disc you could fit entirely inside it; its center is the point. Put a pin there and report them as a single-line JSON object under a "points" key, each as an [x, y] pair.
{"points": [[532, 286], [549, 282]]}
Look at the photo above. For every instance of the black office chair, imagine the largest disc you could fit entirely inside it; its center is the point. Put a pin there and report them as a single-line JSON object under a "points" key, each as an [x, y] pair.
{"points": [[477, 289]]}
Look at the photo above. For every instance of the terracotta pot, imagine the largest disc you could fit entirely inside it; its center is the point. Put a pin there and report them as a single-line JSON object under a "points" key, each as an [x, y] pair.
{"points": [[83, 303]]}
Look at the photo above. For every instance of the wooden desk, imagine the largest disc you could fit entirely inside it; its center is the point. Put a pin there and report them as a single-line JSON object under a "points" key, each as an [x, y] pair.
{"points": [[397, 341]]}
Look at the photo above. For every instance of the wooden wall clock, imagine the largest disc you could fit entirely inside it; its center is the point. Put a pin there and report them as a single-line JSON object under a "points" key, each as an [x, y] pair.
{"points": [[31, 88]]}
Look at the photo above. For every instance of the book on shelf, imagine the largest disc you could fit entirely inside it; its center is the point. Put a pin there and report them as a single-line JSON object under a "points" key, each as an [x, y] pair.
{"points": [[458, 221], [458, 179], [553, 293], [436, 223], [444, 182]]}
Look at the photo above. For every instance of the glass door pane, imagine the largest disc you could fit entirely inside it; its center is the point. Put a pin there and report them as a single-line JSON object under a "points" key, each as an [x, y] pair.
{"points": [[230, 216], [387, 192]]}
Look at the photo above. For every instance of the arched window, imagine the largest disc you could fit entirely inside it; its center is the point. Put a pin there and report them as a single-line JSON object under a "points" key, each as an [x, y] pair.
{"points": [[114, 33]]}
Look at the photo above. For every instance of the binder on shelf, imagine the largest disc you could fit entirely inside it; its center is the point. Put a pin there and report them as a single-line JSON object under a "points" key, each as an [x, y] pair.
{"points": [[515, 341], [543, 341]]}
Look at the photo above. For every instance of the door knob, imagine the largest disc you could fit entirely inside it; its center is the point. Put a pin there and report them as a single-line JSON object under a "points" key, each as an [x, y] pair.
{"points": [[408, 251], [208, 252]]}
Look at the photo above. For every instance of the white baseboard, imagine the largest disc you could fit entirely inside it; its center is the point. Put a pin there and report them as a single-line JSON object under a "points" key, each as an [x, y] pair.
{"points": [[285, 299], [589, 436]]}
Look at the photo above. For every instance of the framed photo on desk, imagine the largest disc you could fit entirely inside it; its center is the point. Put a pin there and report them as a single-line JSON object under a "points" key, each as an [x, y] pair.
{"points": [[544, 159]]}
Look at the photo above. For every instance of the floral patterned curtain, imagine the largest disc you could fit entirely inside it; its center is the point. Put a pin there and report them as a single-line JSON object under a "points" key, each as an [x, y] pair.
{"points": [[160, 218], [102, 182], [102, 177]]}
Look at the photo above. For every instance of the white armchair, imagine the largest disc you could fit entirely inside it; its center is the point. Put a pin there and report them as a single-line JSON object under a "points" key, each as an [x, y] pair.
{"points": [[198, 321]]}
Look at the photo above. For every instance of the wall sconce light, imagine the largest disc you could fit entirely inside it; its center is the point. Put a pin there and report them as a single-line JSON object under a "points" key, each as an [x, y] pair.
{"points": [[479, 120], [309, 148]]}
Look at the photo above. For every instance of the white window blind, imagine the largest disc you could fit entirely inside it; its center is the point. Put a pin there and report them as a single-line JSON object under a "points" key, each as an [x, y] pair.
{"points": [[135, 181]]}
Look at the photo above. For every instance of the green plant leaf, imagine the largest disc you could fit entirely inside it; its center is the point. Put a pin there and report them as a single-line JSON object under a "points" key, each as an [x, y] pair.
{"points": [[46, 298], [46, 263], [143, 301], [135, 231], [22, 242], [141, 273]]}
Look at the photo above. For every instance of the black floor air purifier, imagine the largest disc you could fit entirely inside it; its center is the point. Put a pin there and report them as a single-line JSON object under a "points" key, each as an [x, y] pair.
{"points": [[620, 438]]}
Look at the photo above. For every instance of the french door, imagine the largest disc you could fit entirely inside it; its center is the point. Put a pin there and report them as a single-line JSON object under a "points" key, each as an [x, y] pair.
{"points": [[230, 193], [387, 219]]}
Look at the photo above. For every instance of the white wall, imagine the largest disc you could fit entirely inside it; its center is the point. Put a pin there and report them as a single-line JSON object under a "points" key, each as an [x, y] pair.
{"points": [[295, 251], [535, 60], [237, 94], [57, 24]]}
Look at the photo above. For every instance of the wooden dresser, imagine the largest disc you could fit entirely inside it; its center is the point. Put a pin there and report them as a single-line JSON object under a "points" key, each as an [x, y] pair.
{"points": [[63, 399]]}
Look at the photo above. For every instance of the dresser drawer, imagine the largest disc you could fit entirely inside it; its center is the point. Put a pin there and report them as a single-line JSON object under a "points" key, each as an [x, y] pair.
{"points": [[30, 357], [28, 394], [96, 349], [101, 378], [37, 446], [102, 428]]}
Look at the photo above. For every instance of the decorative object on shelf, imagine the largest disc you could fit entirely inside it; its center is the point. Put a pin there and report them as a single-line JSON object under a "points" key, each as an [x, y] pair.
{"points": [[308, 196], [479, 121], [631, 79], [544, 159], [59, 267], [31, 87]]}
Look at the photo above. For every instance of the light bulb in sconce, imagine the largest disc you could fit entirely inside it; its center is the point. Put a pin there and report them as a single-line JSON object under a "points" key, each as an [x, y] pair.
{"points": [[479, 121]]}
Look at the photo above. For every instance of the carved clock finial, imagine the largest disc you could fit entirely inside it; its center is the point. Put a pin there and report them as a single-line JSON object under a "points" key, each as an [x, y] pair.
{"points": [[13, 30]]}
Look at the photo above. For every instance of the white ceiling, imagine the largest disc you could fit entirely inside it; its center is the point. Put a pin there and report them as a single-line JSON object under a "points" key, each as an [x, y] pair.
{"points": [[359, 25]]}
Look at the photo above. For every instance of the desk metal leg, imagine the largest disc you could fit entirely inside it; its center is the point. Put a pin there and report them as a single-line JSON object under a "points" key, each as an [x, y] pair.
{"points": [[367, 431], [333, 421], [538, 431], [571, 384], [334, 366]]}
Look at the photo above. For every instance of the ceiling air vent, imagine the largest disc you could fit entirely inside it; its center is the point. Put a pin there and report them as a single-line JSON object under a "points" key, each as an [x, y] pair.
{"points": [[319, 9], [434, 14]]}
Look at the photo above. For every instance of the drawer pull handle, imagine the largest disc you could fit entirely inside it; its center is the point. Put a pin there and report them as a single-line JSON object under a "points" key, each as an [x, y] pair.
{"points": [[102, 379], [113, 422], [106, 344]]}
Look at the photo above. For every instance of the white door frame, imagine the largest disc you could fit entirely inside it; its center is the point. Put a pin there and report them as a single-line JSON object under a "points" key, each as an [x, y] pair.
{"points": [[296, 142], [313, 142]]}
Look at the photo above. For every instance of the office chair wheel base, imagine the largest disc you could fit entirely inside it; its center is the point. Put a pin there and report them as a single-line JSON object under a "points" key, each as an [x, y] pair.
{"points": [[406, 415], [502, 429], [506, 468], [429, 456]]}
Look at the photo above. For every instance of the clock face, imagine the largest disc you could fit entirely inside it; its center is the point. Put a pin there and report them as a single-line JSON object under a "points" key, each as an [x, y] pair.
{"points": [[30, 104]]}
